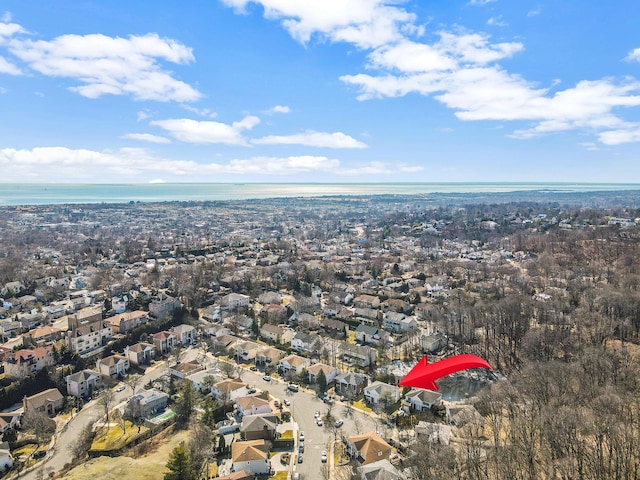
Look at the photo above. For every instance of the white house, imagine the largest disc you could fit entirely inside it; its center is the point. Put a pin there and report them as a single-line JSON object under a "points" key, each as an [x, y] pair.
{"points": [[306, 342], [229, 389], [399, 322], [293, 363], [114, 365], [380, 391], [420, 399], [234, 301], [186, 334], [252, 405], [330, 372], [83, 383], [251, 456]]}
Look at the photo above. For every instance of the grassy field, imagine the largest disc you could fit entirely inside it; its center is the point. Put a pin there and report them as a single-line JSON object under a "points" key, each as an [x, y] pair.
{"points": [[114, 438], [150, 466]]}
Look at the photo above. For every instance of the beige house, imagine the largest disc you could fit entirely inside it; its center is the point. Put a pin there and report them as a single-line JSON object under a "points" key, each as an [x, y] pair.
{"points": [[368, 448], [252, 456], [123, 322], [24, 362], [140, 354], [50, 401]]}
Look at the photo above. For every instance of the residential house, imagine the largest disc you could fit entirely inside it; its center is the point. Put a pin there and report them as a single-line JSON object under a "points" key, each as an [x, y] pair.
{"points": [[369, 334], [9, 420], [359, 355], [85, 337], [126, 321], [229, 390], [164, 306], [334, 328], [164, 341], [368, 448], [24, 362], [276, 333], [184, 369], [43, 335], [215, 330], [330, 373], [420, 399], [252, 405], [398, 322], [268, 356], [273, 312], [49, 401], [434, 432], [234, 301], [256, 427], [306, 342], [396, 305], [83, 383], [113, 365], [140, 353], [246, 351], [148, 402], [203, 380], [380, 392], [366, 301], [186, 334], [252, 456], [293, 364], [433, 343], [380, 470], [308, 321], [240, 475], [351, 384]]}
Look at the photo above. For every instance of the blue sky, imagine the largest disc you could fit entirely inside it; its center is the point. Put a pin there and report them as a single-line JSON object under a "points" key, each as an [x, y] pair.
{"points": [[319, 91]]}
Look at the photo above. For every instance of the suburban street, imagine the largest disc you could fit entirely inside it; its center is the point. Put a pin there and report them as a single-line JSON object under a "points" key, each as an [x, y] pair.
{"points": [[92, 411], [303, 406]]}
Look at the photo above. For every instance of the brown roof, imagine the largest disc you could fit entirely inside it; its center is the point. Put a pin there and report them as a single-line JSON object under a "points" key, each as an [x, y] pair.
{"points": [[248, 451], [371, 446], [227, 386]]}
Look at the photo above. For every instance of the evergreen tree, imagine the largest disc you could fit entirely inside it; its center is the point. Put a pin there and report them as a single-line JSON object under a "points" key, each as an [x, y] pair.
{"points": [[179, 465], [321, 380], [184, 404]]}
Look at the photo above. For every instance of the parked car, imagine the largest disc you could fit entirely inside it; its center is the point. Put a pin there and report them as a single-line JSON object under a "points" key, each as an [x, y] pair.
{"points": [[301, 447], [301, 436], [293, 387], [339, 423], [328, 400], [319, 422], [266, 378], [323, 456], [300, 458], [253, 368], [39, 454], [120, 388], [287, 402], [252, 390]]}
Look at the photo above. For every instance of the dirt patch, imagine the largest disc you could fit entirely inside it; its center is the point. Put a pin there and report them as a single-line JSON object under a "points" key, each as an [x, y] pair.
{"points": [[149, 464]]}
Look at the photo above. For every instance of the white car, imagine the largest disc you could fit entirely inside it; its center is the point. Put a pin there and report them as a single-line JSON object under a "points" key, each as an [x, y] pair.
{"points": [[301, 436], [120, 388], [287, 402], [339, 423], [319, 422], [316, 415], [323, 456], [266, 378]]}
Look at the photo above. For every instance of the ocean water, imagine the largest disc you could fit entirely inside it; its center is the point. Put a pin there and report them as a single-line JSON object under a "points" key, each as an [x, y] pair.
{"points": [[45, 194]]}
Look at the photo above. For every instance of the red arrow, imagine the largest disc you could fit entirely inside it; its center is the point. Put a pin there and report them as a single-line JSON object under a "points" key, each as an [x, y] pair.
{"points": [[424, 375]]}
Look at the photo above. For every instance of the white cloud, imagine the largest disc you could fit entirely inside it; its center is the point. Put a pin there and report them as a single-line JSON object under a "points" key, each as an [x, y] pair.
{"points": [[497, 22], [372, 168], [8, 29], [6, 17], [534, 12], [203, 112], [8, 67], [627, 134], [157, 180], [460, 69], [634, 55], [143, 115], [111, 65], [280, 109], [312, 139], [53, 164], [3, 90], [589, 146], [193, 131], [365, 23], [146, 137]]}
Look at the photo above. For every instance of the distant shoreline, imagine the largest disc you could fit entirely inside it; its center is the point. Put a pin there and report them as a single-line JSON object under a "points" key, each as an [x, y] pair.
{"points": [[63, 194]]}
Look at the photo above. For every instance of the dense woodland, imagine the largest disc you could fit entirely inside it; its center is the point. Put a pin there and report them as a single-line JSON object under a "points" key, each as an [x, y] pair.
{"points": [[562, 323]]}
